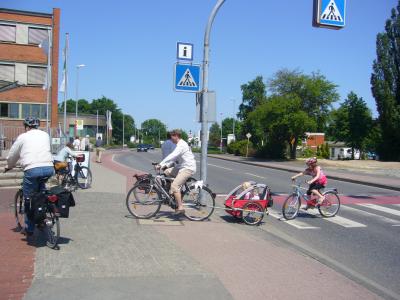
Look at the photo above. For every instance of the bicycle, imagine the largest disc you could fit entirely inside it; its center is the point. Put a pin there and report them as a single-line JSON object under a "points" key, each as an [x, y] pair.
{"points": [[82, 175], [145, 198], [328, 208], [50, 225]]}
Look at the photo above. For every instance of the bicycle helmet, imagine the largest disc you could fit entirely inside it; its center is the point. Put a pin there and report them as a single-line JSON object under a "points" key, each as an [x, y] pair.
{"points": [[31, 122], [311, 161]]}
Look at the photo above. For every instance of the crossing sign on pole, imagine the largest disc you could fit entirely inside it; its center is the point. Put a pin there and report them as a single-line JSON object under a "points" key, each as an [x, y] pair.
{"points": [[329, 13], [187, 78]]}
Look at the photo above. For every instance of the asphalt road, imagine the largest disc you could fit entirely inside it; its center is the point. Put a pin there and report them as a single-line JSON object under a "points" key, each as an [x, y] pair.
{"points": [[361, 242]]}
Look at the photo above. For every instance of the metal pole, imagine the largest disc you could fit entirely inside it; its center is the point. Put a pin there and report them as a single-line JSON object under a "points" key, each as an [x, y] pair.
{"points": [[97, 123], [204, 100], [76, 97], [49, 56], [123, 130], [233, 126], [220, 143], [65, 85]]}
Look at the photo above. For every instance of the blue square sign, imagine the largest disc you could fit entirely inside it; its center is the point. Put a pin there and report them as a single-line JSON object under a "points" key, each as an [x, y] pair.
{"points": [[187, 78], [330, 13]]}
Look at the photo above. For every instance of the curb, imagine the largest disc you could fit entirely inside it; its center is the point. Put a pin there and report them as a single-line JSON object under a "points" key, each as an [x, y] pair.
{"points": [[357, 181]]}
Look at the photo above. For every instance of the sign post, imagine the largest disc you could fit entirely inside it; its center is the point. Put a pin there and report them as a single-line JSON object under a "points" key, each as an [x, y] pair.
{"points": [[248, 135]]}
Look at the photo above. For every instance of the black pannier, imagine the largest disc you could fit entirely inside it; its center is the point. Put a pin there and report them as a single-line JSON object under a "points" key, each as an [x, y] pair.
{"points": [[64, 202], [37, 207]]}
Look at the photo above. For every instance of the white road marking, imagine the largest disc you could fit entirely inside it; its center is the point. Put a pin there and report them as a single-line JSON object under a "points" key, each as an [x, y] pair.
{"points": [[220, 167], [338, 220], [397, 225], [366, 213], [295, 223], [254, 175], [381, 208]]}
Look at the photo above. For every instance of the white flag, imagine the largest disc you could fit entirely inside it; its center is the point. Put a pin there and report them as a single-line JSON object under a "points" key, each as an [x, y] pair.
{"points": [[109, 121]]}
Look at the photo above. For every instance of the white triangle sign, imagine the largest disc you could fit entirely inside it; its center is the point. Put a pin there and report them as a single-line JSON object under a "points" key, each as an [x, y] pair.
{"points": [[187, 80], [331, 12]]}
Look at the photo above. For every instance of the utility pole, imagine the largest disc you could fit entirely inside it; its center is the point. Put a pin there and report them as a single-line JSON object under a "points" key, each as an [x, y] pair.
{"points": [[233, 116], [204, 100], [123, 131]]}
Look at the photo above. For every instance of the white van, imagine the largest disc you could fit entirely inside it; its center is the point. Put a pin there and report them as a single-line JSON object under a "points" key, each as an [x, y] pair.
{"points": [[345, 153]]}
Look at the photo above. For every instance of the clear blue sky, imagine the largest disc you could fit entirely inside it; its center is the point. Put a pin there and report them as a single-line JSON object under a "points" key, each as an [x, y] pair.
{"points": [[129, 48]]}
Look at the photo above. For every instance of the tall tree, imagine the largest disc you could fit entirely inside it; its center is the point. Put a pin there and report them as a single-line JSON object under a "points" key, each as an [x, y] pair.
{"points": [[253, 94], [315, 92], [352, 123], [83, 106], [155, 130], [215, 135], [385, 81]]}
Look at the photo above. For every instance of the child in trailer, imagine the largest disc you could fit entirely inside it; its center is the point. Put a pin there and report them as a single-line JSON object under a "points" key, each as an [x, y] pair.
{"points": [[251, 195], [318, 181]]}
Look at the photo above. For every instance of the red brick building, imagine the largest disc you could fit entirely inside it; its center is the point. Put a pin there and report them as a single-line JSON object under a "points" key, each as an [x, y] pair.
{"points": [[23, 66], [314, 139]]}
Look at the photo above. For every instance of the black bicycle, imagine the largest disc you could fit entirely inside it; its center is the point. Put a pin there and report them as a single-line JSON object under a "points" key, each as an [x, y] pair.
{"points": [[82, 177], [50, 225], [145, 198]]}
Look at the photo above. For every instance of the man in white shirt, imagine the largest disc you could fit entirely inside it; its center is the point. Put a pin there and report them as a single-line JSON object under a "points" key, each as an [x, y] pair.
{"points": [[185, 168], [77, 144], [168, 146], [32, 150]]}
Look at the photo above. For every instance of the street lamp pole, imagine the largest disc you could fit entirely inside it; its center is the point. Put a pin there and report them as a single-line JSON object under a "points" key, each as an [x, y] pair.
{"points": [[220, 144], [123, 131], [233, 116], [204, 101], [77, 91]]}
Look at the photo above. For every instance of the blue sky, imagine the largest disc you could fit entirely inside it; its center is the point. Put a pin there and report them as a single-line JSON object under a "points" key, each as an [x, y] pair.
{"points": [[129, 48]]}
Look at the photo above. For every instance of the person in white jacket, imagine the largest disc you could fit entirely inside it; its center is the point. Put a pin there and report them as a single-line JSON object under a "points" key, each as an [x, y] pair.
{"points": [[32, 150], [185, 168]]}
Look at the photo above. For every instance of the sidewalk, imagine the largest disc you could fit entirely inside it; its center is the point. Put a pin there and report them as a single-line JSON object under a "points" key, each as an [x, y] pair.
{"points": [[392, 183], [107, 254]]}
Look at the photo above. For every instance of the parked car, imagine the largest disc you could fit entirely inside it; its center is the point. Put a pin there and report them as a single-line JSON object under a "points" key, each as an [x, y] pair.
{"points": [[345, 153], [371, 155], [150, 146], [142, 148]]}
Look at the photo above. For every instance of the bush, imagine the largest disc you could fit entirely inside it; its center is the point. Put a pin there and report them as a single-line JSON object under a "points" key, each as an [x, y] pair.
{"points": [[239, 148], [308, 153], [325, 151], [272, 150], [131, 145]]}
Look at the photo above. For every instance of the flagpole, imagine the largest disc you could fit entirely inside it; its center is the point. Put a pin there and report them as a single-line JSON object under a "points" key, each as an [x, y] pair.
{"points": [[65, 84]]}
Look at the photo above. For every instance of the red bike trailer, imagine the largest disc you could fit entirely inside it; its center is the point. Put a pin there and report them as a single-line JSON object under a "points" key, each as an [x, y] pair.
{"points": [[249, 204]]}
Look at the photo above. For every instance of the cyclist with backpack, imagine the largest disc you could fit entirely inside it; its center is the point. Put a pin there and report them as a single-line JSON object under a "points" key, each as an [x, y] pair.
{"points": [[32, 150]]}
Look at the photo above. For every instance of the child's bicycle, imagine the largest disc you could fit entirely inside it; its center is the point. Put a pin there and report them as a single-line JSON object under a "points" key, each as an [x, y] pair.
{"points": [[328, 208]]}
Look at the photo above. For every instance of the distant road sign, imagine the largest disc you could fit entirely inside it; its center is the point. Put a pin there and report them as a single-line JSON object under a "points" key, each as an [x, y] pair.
{"points": [[248, 135], [330, 13], [184, 51], [187, 78]]}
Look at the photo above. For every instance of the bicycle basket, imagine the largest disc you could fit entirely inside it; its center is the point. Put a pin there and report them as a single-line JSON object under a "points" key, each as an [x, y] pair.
{"points": [[80, 158], [60, 165]]}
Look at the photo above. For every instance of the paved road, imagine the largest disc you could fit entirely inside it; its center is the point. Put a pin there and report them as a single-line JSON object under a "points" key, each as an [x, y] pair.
{"points": [[362, 242]]}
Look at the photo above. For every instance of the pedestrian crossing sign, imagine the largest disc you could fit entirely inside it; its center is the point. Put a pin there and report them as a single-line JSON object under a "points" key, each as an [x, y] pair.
{"points": [[187, 78], [330, 13]]}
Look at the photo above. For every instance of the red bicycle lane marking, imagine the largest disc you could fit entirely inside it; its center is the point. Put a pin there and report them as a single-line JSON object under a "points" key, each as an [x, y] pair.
{"points": [[16, 256], [350, 199]]}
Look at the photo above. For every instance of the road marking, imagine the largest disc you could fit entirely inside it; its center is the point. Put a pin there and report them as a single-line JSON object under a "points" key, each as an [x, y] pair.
{"points": [[220, 167], [396, 225], [255, 175], [381, 208], [366, 213], [295, 223], [338, 220]]}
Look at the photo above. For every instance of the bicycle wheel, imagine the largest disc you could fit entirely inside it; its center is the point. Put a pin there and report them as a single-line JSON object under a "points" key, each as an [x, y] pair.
{"points": [[330, 206], [51, 229], [291, 207], [197, 208], [143, 201], [19, 209], [84, 178], [252, 213]]}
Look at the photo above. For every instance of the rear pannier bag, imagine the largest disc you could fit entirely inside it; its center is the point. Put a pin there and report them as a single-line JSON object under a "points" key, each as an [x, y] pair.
{"points": [[64, 202], [37, 211]]}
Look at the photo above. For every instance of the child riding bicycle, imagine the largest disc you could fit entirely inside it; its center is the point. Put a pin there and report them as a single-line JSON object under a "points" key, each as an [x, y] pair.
{"points": [[318, 181]]}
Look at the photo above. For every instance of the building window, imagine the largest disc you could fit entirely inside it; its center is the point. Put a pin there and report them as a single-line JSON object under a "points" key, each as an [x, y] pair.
{"points": [[9, 110], [37, 75], [34, 110], [37, 35], [7, 72], [7, 33]]}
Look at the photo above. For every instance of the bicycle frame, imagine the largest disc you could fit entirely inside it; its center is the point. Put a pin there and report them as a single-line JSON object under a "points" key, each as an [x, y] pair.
{"points": [[305, 197]]}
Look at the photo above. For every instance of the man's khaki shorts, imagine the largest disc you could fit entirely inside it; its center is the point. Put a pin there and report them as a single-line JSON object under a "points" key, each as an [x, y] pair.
{"points": [[181, 176]]}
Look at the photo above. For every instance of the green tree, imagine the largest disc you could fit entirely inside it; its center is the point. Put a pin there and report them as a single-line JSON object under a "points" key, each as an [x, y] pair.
{"points": [[215, 135], [227, 127], [352, 123], [385, 81], [84, 106], [315, 92], [282, 121], [253, 94], [155, 130]]}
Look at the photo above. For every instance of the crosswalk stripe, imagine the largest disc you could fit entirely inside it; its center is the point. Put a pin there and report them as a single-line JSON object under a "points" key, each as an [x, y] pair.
{"points": [[381, 208], [366, 213], [295, 223], [338, 220]]}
